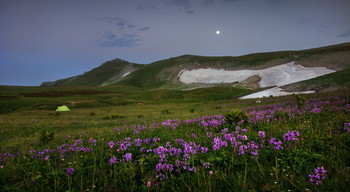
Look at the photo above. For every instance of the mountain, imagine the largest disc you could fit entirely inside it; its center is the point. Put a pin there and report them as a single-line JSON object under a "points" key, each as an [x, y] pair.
{"points": [[253, 71], [108, 73]]}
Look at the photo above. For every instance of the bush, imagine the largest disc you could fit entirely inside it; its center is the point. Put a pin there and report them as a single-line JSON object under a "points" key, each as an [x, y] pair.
{"points": [[46, 136], [140, 116], [279, 115], [108, 117], [300, 101], [165, 111], [236, 116]]}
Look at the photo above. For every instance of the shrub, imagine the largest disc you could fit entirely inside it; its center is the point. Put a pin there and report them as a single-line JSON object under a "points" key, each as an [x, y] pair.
{"points": [[108, 117], [300, 101], [140, 116], [165, 111], [46, 136], [281, 115], [236, 116]]}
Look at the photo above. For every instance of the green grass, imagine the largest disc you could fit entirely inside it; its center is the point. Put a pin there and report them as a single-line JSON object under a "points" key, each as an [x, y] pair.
{"points": [[48, 98], [322, 142]]}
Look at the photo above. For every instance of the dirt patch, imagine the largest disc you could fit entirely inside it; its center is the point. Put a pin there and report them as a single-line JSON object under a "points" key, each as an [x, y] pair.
{"points": [[335, 61], [252, 82]]}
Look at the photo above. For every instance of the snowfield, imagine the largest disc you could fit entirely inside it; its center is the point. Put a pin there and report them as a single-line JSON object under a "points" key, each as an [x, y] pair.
{"points": [[276, 76], [276, 91]]}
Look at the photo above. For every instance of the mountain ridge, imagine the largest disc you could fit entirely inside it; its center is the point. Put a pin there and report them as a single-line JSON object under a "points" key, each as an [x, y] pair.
{"points": [[164, 74]]}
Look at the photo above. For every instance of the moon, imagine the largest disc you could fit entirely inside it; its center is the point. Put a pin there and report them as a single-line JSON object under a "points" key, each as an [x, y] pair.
{"points": [[217, 32]]}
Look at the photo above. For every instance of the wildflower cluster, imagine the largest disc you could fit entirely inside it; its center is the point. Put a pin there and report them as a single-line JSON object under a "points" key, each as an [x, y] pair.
{"points": [[319, 176], [315, 105], [347, 127]]}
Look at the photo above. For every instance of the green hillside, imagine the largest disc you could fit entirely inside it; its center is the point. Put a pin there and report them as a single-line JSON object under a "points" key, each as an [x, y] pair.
{"points": [[108, 72], [163, 74]]}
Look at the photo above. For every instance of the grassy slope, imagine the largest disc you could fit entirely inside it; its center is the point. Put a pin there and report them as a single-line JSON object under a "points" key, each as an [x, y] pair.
{"points": [[48, 98], [149, 76], [322, 143], [333, 81], [98, 75]]}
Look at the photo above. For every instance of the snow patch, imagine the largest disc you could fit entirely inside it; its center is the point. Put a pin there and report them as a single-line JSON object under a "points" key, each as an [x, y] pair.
{"points": [[126, 74], [274, 76], [276, 91]]}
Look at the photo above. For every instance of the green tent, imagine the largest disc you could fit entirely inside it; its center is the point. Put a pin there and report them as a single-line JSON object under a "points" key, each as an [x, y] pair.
{"points": [[62, 108]]}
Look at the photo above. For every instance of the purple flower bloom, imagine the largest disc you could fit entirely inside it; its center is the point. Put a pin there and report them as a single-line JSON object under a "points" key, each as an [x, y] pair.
{"points": [[320, 174], [209, 135], [70, 171], [138, 142], [164, 167], [113, 160], [347, 126], [316, 110], [291, 136], [277, 144], [111, 144], [206, 165], [128, 156], [261, 134]]}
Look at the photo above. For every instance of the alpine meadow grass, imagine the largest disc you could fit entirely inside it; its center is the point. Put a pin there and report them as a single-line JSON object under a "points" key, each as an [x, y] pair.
{"points": [[278, 144]]}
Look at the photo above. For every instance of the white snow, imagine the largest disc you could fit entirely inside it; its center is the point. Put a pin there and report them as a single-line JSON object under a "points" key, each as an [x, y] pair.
{"points": [[127, 73], [274, 76], [276, 91]]}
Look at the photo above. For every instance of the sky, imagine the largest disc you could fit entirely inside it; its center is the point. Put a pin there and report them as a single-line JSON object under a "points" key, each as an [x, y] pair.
{"points": [[46, 40]]}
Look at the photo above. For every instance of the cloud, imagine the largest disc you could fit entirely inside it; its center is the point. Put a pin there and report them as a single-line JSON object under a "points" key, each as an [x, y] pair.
{"points": [[116, 21], [208, 2], [111, 20], [190, 12], [182, 5], [345, 34], [146, 7], [130, 26], [143, 28], [109, 35], [110, 39]]}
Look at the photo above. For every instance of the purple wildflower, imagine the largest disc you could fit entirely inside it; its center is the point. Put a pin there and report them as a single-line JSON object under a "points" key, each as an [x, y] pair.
{"points": [[206, 165], [70, 171], [128, 156], [111, 144], [316, 110], [291, 136], [113, 160], [261, 134], [277, 145], [320, 174], [164, 167], [347, 126]]}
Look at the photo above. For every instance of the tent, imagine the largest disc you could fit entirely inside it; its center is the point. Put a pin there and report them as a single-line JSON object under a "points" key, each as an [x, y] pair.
{"points": [[62, 108]]}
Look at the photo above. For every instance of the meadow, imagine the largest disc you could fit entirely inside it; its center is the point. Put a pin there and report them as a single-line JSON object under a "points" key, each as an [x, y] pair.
{"points": [[200, 140]]}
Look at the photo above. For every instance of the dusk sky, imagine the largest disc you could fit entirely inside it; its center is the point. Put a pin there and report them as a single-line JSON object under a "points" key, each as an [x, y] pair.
{"points": [[45, 40]]}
